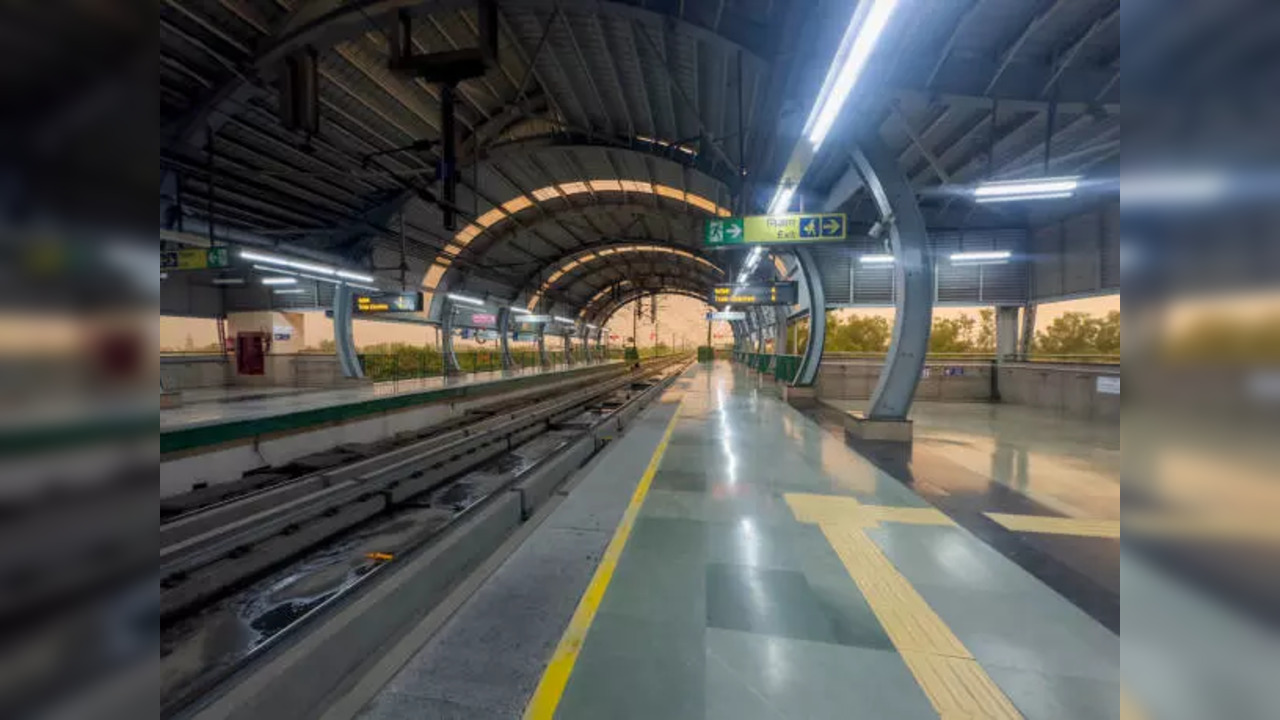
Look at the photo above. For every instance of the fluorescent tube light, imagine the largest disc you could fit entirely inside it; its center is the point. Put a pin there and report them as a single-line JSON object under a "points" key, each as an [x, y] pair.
{"points": [[781, 200], [286, 262], [228, 281], [289, 291], [348, 275], [1020, 198], [279, 281], [856, 46], [981, 256], [1169, 188], [566, 320], [876, 259], [1038, 186], [519, 311], [465, 299]]}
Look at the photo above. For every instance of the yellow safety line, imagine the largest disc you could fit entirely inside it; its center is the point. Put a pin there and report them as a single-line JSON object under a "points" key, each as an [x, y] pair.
{"points": [[955, 683], [1058, 525], [554, 679]]}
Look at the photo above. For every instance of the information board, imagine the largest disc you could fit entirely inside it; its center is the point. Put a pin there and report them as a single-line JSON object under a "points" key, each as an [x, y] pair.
{"points": [[779, 293], [387, 302], [775, 229], [195, 259]]}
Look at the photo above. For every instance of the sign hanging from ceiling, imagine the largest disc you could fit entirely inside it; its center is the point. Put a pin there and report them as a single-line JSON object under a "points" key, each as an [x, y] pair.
{"points": [[726, 316], [195, 259], [775, 229], [778, 293], [387, 302]]}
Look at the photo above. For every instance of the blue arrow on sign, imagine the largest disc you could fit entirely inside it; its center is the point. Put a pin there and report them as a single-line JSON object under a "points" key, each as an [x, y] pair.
{"points": [[832, 227]]}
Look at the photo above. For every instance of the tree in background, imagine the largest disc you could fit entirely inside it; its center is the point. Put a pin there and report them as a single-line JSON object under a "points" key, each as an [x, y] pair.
{"points": [[857, 333], [986, 340], [1078, 333], [953, 335]]}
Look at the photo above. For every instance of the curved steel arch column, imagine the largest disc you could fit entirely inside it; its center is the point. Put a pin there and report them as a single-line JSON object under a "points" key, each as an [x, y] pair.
{"points": [[344, 342], [812, 357], [913, 272], [449, 358], [504, 337]]}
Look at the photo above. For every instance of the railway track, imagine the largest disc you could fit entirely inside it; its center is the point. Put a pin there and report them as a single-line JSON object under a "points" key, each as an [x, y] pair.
{"points": [[225, 547]]}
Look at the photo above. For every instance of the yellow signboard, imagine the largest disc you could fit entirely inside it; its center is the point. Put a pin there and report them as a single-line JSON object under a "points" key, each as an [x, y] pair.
{"points": [[773, 229], [195, 259]]}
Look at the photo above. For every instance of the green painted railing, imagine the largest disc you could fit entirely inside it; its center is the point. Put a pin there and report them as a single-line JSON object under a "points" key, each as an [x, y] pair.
{"points": [[786, 367]]}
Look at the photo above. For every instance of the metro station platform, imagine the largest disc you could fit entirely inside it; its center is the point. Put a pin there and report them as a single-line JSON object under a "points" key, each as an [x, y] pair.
{"points": [[214, 415], [229, 436], [732, 557]]}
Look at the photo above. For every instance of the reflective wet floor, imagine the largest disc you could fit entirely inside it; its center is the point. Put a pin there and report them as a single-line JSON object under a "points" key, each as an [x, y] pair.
{"points": [[772, 572]]}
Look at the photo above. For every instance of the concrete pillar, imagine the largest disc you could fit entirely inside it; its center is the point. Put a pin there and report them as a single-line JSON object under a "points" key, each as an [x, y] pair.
{"points": [[1007, 332]]}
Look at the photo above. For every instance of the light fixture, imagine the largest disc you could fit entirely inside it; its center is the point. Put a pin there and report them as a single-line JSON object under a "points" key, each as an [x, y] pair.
{"points": [[286, 262], [323, 270], [1036, 189], [279, 281], [1019, 198], [781, 200], [1172, 187], [164, 276], [348, 275], [289, 291], [465, 299], [984, 256], [565, 320], [855, 50], [228, 281], [879, 259], [519, 310]]}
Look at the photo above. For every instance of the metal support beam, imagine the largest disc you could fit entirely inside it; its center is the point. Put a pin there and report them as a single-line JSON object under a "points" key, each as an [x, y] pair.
{"points": [[779, 331], [913, 270], [449, 358], [1027, 336], [543, 359], [807, 374], [343, 338], [504, 338]]}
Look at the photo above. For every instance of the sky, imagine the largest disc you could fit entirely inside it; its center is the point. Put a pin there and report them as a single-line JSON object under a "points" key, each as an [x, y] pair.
{"points": [[678, 315]]}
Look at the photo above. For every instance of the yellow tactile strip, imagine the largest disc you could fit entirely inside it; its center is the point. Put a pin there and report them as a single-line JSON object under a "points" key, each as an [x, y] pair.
{"points": [[848, 511], [959, 687], [1058, 525], [908, 620], [954, 682]]}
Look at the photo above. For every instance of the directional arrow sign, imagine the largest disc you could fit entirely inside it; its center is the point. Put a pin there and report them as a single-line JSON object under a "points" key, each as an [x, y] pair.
{"points": [[775, 229]]}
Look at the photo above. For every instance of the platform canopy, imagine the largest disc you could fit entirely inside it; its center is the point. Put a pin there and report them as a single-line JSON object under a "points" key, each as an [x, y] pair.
{"points": [[611, 125]]}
